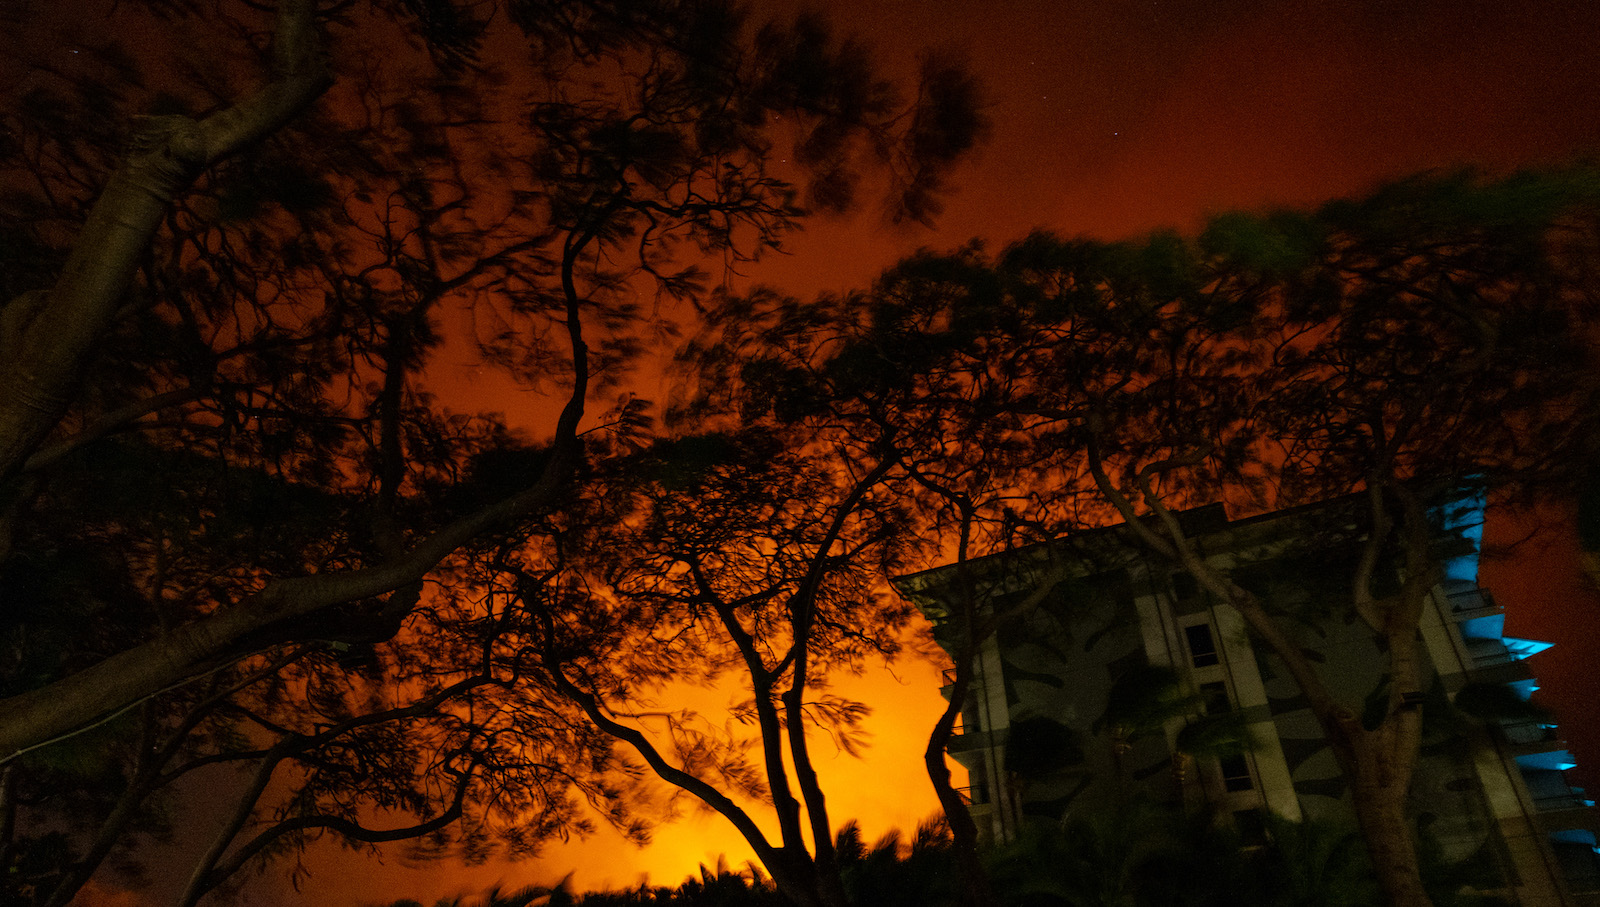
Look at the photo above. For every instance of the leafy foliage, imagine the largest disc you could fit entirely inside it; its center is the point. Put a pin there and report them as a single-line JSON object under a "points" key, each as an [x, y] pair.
{"points": [[214, 533]]}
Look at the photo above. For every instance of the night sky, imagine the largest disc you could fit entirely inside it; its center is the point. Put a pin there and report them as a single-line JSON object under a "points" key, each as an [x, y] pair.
{"points": [[1113, 117]]}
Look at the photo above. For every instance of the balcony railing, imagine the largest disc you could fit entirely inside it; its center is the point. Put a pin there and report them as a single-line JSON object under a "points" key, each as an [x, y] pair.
{"points": [[1470, 603], [1552, 794], [974, 794], [1527, 733]]}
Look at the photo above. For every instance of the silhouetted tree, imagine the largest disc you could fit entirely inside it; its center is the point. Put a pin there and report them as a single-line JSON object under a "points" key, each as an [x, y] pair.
{"points": [[749, 560], [219, 344], [891, 872]]}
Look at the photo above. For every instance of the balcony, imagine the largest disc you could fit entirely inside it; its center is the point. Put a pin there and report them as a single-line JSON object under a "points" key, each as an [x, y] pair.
{"points": [[1510, 671], [1567, 814], [1560, 806], [947, 680], [1475, 605], [974, 794], [962, 743], [1576, 852], [1531, 734], [1530, 739]]}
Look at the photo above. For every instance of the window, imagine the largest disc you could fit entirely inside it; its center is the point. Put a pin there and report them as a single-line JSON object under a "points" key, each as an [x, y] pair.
{"points": [[1186, 597], [1235, 773], [1202, 648], [1184, 587], [1252, 827], [1214, 697]]}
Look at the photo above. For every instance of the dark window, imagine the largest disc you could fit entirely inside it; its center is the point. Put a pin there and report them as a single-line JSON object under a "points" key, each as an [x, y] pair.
{"points": [[1184, 587], [1202, 648], [1252, 827], [1214, 696], [1235, 773], [1186, 595]]}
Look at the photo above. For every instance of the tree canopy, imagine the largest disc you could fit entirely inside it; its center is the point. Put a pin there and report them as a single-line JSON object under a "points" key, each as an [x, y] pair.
{"points": [[237, 521]]}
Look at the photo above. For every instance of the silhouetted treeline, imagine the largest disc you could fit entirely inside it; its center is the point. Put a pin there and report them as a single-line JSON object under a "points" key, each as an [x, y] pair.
{"points": [[1143, 857]]}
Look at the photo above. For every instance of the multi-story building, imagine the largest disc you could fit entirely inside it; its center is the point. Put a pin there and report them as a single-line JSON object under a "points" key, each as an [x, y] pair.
{"points": [[1040, 734]]}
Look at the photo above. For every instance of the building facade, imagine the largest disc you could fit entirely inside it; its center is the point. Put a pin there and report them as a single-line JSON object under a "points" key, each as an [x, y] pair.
{"points": [[1101, 690]]}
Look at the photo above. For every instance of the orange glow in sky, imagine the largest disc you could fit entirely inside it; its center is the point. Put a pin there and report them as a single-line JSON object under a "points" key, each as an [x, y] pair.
{"points": [[1113, 117], [887, 790]]}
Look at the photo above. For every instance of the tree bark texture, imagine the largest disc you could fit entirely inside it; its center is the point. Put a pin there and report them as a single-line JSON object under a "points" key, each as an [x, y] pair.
{"points": [[55, 343], [1380, 803]]}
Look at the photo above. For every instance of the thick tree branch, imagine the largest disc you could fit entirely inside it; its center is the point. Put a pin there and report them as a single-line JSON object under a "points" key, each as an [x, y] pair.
{"points": [[1371, 551], [116, 420], [346, 827], [665, 770], [38, 715], [53, 349]]}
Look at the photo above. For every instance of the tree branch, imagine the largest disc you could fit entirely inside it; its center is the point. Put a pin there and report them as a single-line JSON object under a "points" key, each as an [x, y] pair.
{"points": [[55, 346]]}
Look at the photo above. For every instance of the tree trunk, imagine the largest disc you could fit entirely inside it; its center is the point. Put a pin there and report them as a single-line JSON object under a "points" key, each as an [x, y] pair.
{"points": [[1378, 763], [795, 876], [1381, 812], [975, 891]]}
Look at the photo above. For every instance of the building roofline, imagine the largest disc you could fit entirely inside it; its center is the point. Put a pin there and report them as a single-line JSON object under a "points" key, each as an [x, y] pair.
{"points": [[1202, 522]]}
